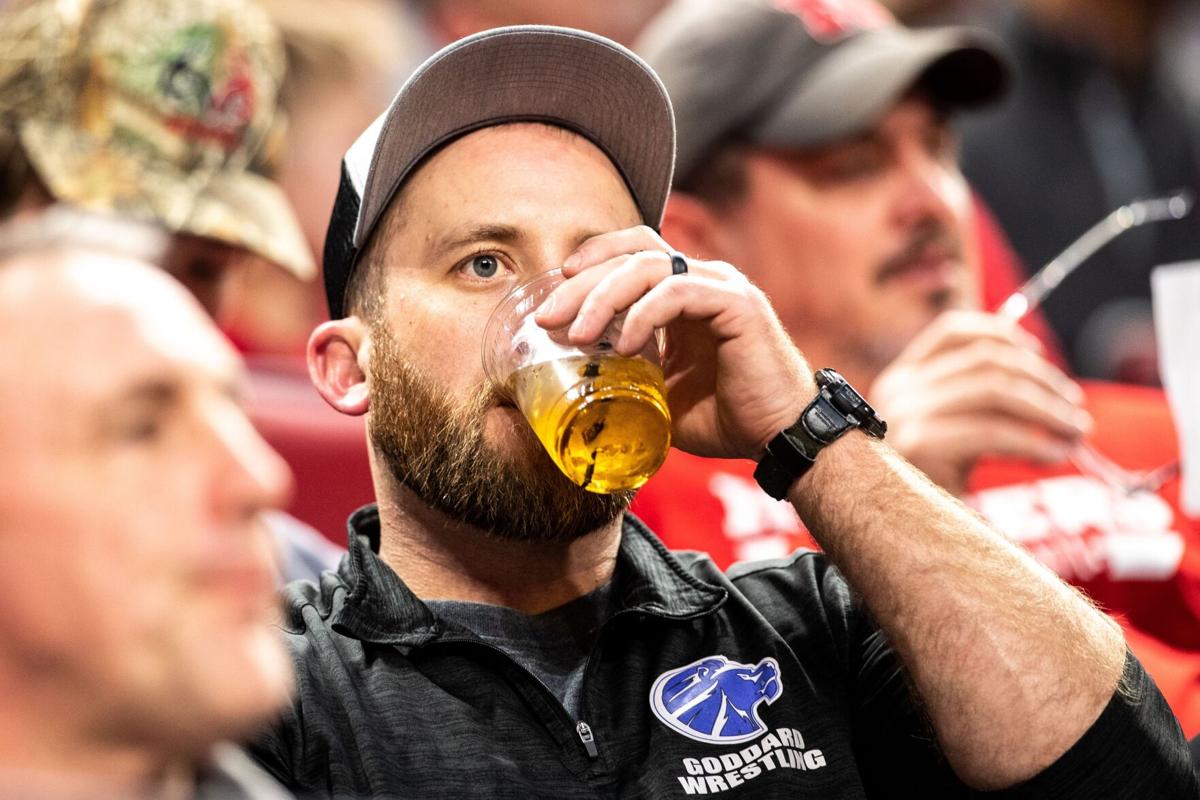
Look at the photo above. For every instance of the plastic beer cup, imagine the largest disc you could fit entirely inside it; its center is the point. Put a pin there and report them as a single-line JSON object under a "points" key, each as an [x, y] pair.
{"points": [[602, 417]]}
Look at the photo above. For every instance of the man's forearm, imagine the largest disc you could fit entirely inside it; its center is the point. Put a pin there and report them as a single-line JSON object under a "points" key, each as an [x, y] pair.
{"points": [[1012, 664]]}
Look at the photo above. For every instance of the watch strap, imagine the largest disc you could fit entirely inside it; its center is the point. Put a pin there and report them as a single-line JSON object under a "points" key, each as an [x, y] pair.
{"points": [[774, 478], [836, 409], [794, 450]]}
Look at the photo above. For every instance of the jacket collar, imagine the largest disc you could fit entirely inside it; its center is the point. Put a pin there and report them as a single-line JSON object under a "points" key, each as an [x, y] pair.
{"points": [[379, 607]]}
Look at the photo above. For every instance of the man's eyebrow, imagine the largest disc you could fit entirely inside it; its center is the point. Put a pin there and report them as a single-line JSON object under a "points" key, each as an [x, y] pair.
{"points": [[825, 151], [152, 391], [493, 232], [163, 391], [151, 394], [867, 137]]}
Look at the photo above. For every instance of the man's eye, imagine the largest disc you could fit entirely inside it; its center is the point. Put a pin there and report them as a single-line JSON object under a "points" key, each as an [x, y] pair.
{"points": [[142, 430], [854, 166], [485, 266]]}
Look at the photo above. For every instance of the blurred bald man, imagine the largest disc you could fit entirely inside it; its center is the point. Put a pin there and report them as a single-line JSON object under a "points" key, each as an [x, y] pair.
{"points": [[137, 628]]}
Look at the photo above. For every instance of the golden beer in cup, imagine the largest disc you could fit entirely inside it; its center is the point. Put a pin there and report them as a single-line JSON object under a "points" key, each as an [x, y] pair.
{"points": [[602, 417]]}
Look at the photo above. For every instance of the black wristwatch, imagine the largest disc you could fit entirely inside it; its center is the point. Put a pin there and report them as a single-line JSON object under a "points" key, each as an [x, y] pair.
{"points": [[836, 409]]}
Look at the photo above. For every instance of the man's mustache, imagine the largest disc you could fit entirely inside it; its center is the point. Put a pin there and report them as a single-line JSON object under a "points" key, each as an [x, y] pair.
{"points": [[929, 235]]}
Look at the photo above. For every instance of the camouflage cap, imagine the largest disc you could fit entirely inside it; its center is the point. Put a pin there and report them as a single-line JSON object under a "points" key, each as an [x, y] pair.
{"points": [[154, 109]]}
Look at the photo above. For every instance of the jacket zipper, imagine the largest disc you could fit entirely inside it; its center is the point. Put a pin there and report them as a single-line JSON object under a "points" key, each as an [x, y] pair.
{"points": [[585, 735], [582, 729]]}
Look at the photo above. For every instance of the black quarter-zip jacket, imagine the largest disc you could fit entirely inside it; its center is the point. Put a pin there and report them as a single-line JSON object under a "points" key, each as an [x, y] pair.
{"points": [[771, 681]]}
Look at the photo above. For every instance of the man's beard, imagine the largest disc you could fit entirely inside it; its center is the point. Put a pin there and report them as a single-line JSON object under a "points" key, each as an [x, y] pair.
{"points": [[438, 450]]}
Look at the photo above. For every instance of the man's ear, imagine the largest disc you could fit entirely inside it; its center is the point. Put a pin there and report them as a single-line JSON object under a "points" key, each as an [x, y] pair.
{"points": [[336, 355], [693, 228]]}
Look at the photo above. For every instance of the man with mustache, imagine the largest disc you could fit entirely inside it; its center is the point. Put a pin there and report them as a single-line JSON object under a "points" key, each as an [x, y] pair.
{"points": [[496, 631], [854, 218], [816, 153]]}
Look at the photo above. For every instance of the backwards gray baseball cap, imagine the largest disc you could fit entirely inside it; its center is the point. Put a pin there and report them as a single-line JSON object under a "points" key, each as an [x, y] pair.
{"points": [[526, 73], [804, 73]]}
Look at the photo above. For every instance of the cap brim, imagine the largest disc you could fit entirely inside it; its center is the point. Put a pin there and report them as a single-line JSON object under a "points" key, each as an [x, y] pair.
{"points": [[532, 73], [230, 206], [245, 209], [855, 85]]}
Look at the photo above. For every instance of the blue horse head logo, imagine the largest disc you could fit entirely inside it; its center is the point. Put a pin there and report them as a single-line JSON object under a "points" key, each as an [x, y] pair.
{"points": [[715, 699]]}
